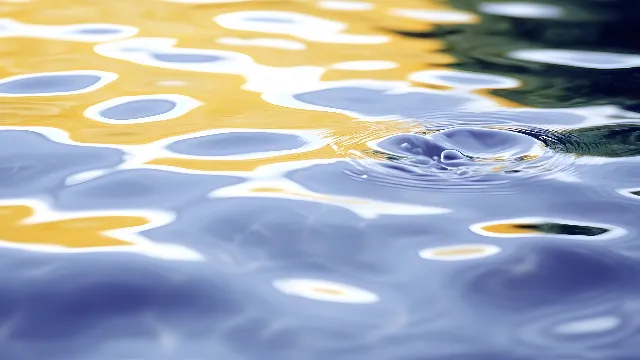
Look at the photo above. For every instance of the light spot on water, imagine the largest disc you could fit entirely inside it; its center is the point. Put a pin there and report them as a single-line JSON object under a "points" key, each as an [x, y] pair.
{"points": [[141, 108], [205, 1], [348, 5], [459, 252], [464, 79], [365, 65], [436, 16], [323, 290], [172, 83], [589, 326], [85, 176], [264, 42], [522, 9], [578, 58], [55, 83], [274, 20]]}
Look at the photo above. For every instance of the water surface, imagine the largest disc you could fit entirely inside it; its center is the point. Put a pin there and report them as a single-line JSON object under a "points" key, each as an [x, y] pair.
{"points": [[388, 180]]}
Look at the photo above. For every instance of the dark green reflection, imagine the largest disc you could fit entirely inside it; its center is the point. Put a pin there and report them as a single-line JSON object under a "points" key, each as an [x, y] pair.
{"points": [[604, 26], [564, 229], [612, 141]]}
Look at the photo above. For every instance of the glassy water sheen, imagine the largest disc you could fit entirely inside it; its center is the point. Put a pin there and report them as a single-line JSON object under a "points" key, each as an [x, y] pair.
{"points": [[319, 179]]}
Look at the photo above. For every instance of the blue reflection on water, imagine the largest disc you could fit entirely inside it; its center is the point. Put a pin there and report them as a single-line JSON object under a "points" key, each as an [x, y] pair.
{"points": [[138, 109], [372, 102], [33, 165], [140, 188], [186, 58], [50, 83], [236, 143]]}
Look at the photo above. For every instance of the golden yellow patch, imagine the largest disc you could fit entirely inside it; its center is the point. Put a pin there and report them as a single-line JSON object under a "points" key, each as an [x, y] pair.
{"points": [[328, 291], [70, 233], [507, 229]]}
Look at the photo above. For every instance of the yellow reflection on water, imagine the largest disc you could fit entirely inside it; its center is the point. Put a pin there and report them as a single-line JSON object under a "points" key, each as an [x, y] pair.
{"points": [[69, 233], [32, 225], [225, 103], [509, 229]]}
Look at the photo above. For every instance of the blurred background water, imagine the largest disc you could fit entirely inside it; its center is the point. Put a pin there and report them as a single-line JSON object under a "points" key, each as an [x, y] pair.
{"points": [[319, 179]]}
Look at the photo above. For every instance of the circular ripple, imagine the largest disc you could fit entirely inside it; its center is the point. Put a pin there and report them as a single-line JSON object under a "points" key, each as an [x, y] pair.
{"points": [[470, 143], [605, 141], [459, 157]]}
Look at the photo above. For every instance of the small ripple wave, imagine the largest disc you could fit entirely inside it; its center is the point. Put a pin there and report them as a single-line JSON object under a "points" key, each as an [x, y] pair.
{"points": [[462, 158]]}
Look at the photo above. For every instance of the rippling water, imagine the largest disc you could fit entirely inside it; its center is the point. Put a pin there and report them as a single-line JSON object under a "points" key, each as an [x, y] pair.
{"points": [[319, 179]]}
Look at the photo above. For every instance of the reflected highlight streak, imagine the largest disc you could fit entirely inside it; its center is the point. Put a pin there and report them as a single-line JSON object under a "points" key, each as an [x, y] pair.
{"points": [[322, 290], [578, 58], [464, 80], [459, 252]]}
